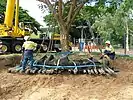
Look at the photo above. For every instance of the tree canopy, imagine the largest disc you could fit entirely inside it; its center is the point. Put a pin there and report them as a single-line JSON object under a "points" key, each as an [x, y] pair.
{"points": [[64, 12], [107, 18], [114, 25], [88, 14]]}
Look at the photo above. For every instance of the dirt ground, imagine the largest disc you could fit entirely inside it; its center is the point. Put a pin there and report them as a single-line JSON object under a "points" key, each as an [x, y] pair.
{"points": [[68, 87]]}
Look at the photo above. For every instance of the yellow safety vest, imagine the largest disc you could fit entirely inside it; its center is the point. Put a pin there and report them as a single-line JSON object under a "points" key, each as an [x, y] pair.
{"points": [[29, 45], [110, 48]]}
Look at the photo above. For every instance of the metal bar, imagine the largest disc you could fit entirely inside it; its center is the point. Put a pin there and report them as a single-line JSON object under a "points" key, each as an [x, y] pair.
{"points": [[9, 13], [81, 66], [17, 16]]}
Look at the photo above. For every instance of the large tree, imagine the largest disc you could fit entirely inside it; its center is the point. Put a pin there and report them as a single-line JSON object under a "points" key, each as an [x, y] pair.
{"points": [[64, 11], [92, 11]]}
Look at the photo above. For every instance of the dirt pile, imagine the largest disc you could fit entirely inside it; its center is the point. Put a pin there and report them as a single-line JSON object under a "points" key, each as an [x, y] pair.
{"points": [[69, 87], [9, 60]]}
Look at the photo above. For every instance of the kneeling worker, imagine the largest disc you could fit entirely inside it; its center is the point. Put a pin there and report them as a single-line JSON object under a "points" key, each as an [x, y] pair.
{"points": [[109, 50], [28, 48]]}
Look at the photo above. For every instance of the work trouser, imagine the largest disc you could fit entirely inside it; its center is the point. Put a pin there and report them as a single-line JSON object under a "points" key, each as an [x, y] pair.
{"points": [[81, 46], [111, 55], [27, 59]]}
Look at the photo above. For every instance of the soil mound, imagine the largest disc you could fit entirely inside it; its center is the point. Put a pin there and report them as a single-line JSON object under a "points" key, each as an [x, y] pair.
{"points": [[69, 87]]}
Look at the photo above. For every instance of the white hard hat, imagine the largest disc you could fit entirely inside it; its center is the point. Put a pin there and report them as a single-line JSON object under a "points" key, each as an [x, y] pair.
{"points": [[107, 42], [26, 38]]}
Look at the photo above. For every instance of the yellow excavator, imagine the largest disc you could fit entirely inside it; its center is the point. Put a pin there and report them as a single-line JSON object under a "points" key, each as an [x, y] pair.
{"points": [[12, 35]]}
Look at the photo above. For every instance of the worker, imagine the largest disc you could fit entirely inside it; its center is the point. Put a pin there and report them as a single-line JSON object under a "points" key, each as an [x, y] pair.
{"points": [[28, 48], [109, 50]]}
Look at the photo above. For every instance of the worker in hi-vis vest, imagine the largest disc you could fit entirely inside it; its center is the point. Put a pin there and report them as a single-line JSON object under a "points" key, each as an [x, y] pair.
{"points": [[28, 48], [109, 50]]}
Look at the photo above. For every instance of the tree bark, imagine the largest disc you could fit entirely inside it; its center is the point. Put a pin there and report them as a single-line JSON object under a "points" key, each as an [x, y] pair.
{"points": [[64, 39]]}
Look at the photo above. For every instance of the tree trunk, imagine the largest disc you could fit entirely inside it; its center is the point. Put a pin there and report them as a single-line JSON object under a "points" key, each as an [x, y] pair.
{"points": [[64, 39], [127, 42], [127, 37]]}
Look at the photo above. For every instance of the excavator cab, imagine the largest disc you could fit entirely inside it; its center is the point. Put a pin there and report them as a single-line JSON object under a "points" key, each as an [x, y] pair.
{"points": [[26, 26]]}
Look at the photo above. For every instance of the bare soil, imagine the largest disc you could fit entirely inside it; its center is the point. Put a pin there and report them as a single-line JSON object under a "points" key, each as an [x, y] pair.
{"points": [[68, 87]]}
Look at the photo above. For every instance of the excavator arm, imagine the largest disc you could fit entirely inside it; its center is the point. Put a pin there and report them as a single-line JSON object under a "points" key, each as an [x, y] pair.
{"points": [[9, 15]]}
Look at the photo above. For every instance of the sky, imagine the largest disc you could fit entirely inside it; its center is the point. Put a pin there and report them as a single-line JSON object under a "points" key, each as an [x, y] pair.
{"points": [[34, 11]]}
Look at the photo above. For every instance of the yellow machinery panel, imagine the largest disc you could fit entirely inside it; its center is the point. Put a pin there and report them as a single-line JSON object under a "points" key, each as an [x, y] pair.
{"points": [[8, 29], [9, 15], [56, 36]]}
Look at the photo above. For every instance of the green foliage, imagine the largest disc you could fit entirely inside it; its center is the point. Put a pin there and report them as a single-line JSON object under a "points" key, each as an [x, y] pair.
{"points": [[113, 25], [107, 17], [24, 17], [89, 13], [49, 19], [2, 6]]}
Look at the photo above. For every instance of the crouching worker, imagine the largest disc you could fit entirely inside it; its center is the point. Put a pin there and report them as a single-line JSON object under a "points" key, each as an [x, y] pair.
{"points": [[28, 48], [109, 50]]}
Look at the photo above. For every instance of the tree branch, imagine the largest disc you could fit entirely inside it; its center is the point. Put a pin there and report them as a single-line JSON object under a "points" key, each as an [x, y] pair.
{"points": [[44, 1], [48, 3], [60, 9], [73, 4], [75, 12]]}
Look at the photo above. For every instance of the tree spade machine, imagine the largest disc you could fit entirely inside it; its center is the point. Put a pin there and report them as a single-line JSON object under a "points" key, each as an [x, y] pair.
{"points": [[70, 62]]}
